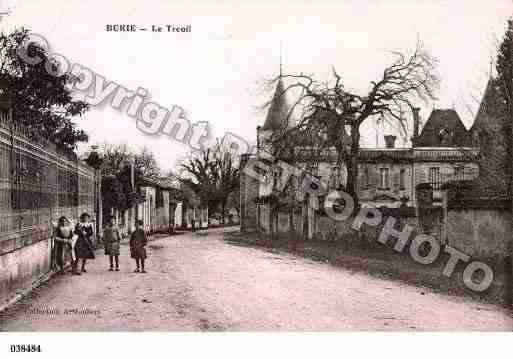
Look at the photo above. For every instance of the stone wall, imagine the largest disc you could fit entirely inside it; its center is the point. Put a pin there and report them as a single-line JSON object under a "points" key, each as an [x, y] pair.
{"points": [[248, 195], [147, 209], [479, 232], [178, 214], [263, 221], [327, 228], [163, 213], [25, 257], [285, 223]]}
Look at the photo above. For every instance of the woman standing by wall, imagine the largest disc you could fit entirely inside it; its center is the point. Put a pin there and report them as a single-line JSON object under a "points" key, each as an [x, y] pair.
{"points": [[84, 247]]}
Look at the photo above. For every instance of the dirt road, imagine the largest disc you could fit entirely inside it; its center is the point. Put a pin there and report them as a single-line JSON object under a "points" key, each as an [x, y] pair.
{"points": [[199, 282]]}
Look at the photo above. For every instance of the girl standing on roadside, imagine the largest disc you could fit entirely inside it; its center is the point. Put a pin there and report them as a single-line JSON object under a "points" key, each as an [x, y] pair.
{"points": [[84, 246], [111, 240], [63, 245]]}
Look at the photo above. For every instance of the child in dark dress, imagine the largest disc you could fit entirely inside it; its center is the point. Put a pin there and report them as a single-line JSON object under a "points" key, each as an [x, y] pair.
{"points": [[84, 248], [138, 243]]}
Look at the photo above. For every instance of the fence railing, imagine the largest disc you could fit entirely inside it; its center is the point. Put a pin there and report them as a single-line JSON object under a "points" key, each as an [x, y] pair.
{"points": [[38, 184], [436, 180]]}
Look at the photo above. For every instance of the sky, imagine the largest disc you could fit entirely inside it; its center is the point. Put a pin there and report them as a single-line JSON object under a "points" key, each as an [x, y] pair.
{"points": [[216, 71]]}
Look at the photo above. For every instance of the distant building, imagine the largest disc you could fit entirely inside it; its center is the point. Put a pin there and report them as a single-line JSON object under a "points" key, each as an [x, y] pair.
{"points": [[160, 201]]}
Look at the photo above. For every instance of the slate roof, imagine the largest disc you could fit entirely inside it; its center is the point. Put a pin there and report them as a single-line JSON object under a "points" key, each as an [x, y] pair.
{"points": [[278, 109], [444, 129], [492, 109]]}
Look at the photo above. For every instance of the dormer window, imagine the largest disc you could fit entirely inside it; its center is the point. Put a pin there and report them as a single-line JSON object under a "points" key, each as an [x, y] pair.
{"points": [[446, 137]]}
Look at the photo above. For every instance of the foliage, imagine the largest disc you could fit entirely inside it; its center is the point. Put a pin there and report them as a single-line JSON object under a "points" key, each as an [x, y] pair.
{"points": [[234, 200], [113, 193], [94, 160], [504, 68], [41, 102], [117, 157], [116, 163]]}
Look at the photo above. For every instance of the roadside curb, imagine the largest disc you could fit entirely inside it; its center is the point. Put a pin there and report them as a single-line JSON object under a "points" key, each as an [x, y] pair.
{"points": [[23, 293]]}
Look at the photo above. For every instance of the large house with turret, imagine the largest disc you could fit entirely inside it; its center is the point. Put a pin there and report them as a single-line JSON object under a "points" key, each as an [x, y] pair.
{"points": [[442, 152]]}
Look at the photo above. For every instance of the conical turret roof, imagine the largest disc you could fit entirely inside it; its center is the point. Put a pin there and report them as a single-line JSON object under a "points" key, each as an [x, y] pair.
{"points": [[278, 110], [492, 109]]}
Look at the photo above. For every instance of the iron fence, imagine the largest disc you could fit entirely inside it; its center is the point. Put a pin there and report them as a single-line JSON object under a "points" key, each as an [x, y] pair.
{"points": [[436, 179], [37, 183]]}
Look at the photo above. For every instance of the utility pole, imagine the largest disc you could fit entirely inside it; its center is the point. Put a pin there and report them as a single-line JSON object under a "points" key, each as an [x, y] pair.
{"points": [[135, 210], [95, 161]]}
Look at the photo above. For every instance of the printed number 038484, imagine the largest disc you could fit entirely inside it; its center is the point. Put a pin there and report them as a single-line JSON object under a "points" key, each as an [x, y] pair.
{"points": [[25, 348]]}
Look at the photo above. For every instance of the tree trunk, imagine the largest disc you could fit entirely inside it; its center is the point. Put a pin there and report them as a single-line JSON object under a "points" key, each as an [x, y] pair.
{"points": [[223, 211], [352, 168]]}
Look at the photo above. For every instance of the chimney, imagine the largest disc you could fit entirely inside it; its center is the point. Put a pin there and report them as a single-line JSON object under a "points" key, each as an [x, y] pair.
{"points": [[390, 141], [416, 121]]}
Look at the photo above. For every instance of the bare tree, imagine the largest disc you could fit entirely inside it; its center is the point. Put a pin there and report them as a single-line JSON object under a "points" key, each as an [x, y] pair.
{"points": [[199, 177], [330, 116], [215, 176], [117, 157], [145, 162], [226, 175]]}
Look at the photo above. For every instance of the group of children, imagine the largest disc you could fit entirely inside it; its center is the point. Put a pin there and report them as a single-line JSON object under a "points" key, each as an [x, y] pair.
{"points": [[138, 242], [74, 242], [77, 244]]}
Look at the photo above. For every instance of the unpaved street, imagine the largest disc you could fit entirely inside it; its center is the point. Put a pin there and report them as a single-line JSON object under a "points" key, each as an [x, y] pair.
{"points": [[200, 282]]}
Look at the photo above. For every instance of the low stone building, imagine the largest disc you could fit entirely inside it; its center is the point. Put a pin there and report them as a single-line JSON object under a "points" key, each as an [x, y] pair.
{"points": [[155, 201]]}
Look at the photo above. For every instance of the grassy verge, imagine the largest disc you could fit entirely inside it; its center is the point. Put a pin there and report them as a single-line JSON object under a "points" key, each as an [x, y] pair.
{"points": [[382, 261]]}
